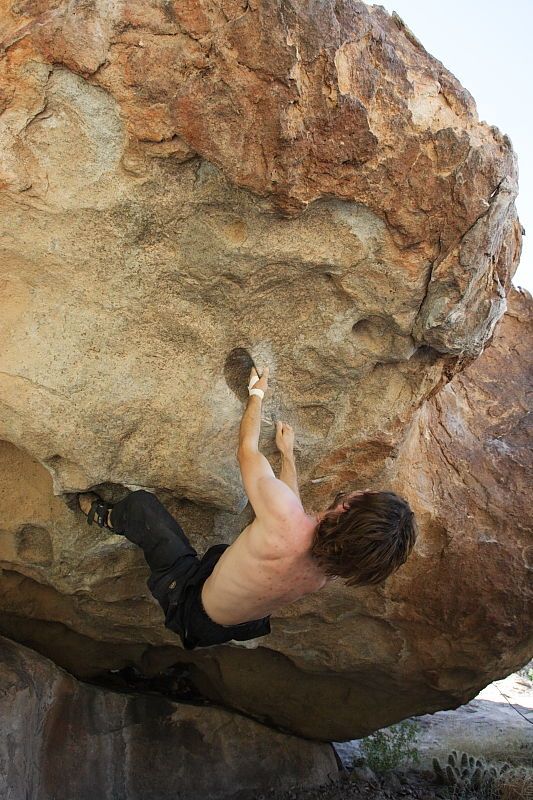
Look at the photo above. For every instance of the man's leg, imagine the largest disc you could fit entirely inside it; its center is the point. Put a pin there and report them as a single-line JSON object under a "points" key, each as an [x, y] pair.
{"points": [[145, 521]]}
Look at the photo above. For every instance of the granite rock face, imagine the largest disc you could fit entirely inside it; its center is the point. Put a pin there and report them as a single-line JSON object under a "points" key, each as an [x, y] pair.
{"points": [[467, 458], [61, 739], [180, 180], [342, 662]]}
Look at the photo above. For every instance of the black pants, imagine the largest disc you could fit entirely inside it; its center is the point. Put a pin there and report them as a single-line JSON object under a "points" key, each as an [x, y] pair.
{"points": [[176, 573]]}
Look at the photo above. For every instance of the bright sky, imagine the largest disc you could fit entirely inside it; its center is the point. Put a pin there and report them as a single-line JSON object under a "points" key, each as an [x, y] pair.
{"points": [[486, 44]]}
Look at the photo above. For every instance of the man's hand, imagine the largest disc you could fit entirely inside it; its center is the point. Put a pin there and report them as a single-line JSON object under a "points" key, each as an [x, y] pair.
{"points": [[284, 438], [262, 383]]}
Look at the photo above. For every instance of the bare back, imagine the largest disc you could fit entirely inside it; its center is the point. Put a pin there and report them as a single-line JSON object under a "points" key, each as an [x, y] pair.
{"points": [[251, 580]]}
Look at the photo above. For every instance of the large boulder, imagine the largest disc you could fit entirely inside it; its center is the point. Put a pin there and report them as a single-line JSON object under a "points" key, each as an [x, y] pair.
{"points": [[179, 181], [61, 739], [183, 179]]}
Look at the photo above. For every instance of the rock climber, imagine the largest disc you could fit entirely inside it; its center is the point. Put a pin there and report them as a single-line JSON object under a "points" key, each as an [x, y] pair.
{"points": [[282, 555]]}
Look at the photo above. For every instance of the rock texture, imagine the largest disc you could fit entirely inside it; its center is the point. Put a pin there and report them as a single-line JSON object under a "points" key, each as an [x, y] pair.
{"points": [[342, 662], [458, 614], [61, 739], [467, 458], [179, 180]]}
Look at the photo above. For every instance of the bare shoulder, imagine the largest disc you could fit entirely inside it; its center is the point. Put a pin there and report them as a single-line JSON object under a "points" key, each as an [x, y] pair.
{"points": [[289, 533]]}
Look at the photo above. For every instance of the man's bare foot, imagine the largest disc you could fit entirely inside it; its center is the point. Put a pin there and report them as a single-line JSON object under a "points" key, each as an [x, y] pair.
{"points": [[86, 499]]}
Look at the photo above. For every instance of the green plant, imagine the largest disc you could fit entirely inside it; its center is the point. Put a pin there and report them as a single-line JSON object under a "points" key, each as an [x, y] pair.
{"points": [[469, 775], [386, 749]]}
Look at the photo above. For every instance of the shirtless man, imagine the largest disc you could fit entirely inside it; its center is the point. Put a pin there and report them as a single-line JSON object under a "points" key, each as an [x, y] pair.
{"points": [[232, 592]]}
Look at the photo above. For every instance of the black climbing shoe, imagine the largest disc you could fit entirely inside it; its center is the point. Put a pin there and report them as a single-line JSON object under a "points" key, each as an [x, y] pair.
{"points": [[98, 511]]}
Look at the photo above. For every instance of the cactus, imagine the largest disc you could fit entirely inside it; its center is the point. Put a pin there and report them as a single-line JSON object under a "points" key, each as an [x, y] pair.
{"points": [[467, 772]]}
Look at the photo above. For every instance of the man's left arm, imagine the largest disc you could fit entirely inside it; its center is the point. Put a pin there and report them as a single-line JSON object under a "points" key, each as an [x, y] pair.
{"points": [[267, 494], [250, 424]]}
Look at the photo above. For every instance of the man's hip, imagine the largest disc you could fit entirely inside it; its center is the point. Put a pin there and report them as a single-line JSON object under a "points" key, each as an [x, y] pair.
{"points": [[184, 611]]}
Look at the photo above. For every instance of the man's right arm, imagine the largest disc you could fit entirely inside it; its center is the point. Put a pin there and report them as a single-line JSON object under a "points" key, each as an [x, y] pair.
{"points": [[288, 473], [269, 496]]}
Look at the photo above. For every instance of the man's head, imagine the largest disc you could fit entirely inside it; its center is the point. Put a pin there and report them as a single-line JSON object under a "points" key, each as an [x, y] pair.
{"points": [[364, 536]]}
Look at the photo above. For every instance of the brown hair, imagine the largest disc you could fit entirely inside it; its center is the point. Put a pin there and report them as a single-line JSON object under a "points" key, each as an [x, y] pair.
{"points": [[368, 540]]}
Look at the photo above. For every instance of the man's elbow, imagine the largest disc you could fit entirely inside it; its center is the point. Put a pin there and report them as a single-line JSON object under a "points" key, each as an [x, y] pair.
{"points": [[246, 447]]}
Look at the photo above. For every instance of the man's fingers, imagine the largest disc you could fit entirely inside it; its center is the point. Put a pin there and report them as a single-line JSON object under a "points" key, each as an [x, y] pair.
{"points": [[265, 372], [284, 424]]}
